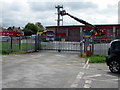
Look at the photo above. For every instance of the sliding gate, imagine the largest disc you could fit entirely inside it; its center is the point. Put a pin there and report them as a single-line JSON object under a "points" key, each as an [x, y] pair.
{"points": [[60, 44]]}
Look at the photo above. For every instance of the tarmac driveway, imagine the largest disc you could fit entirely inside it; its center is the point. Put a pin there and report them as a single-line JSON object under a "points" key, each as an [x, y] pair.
{"points": [[54, 70]]}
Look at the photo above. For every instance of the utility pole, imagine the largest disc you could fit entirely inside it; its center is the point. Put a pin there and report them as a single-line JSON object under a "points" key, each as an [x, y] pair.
{"points": [[59, 8]]}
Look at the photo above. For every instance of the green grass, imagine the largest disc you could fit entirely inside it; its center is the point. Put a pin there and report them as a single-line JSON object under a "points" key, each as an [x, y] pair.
{"points": [[94, 58], [5, 47], [97, 59]]}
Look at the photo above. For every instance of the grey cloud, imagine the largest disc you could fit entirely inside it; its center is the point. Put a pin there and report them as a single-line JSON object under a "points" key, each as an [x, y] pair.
{"points": [[110, 10], [15, 14], [13, 6], [80, 5], [11, 21], [8, 12], [38, 6], [22, 17]]}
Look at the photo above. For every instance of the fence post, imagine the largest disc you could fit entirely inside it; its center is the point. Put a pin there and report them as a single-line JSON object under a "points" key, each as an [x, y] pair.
{"points": [[59, 47], [39, 42], [26, 44], [19, 43], [11, 43], [92, 45], [36, 44], [81, 41]]}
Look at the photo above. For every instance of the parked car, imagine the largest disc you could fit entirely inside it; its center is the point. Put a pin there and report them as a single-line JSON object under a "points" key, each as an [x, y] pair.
{"points": [[4, 38], [113, 58]]}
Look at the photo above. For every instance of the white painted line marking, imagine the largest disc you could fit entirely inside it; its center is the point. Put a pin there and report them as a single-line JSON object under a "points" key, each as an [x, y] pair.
{"points": [[76, 81], [79, 76], [97, 75], [88, 67], [86, 86], [86, 64], [109, 75], [87, 83], [87, 61]]}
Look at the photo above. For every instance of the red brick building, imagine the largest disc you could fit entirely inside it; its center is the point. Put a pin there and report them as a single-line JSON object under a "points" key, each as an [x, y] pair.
{"points": [[73, 32]]}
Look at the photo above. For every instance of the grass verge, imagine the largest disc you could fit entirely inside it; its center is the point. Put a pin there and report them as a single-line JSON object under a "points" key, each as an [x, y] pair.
{"points": [[95, 58]]}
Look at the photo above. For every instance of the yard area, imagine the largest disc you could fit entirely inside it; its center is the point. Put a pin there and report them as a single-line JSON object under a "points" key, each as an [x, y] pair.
{"points": [[47, 69]]}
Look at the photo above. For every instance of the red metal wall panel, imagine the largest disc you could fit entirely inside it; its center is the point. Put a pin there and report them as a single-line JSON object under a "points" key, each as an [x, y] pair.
{"points": [[73, 32]]}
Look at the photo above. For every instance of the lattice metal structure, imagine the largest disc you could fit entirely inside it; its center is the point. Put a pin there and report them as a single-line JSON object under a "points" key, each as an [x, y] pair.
{"points": [[59, 18]]}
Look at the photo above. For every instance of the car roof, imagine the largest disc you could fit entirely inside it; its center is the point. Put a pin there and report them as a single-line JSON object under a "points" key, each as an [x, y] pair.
{"points": [[114, 41]]}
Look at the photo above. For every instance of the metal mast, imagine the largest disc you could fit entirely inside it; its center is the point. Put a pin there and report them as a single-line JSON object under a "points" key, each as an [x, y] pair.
{"points": [[59, 8]]}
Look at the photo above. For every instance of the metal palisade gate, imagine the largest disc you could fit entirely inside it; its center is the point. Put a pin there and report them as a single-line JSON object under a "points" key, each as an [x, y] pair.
{"points": [[59, 44]]}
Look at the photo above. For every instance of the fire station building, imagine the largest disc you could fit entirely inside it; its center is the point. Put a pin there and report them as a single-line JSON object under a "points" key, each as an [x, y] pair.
{"points": [[73, 33]]}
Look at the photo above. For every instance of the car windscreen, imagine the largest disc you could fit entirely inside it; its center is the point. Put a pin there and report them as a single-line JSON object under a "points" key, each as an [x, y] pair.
{"points": [[116, 45]]}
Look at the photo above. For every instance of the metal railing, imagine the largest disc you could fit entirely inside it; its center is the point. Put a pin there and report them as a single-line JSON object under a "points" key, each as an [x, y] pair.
{"points": [[30, 44], [17, 44]]}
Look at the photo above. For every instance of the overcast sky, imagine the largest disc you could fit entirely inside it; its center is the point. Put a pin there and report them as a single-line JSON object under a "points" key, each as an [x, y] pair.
{"points": [[20, 12]]}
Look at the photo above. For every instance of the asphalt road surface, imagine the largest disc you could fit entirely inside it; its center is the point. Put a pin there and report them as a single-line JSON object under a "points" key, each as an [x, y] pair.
{"points": [[54, 70]]}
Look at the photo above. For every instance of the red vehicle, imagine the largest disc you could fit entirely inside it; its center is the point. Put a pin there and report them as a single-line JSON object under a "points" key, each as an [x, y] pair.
{"points": [[12, 33]]}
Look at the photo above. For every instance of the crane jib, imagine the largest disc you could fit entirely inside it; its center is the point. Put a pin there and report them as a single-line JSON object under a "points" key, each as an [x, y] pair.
{"points": [[82, 21], [97, 31]]}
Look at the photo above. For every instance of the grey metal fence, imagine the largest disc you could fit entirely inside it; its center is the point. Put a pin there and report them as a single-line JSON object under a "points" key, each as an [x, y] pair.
{"points": [[98, 46], [17, 44], [101, 46], [29, 44]]}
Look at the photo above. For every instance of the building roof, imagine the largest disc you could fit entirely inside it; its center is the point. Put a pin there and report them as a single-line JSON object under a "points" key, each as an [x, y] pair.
{"points": [[1, 29], [14, 28], [84, 25]]}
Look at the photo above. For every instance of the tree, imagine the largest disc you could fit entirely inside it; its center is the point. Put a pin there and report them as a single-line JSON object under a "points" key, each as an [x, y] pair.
{"points": [[30, 29], [40, 26]]}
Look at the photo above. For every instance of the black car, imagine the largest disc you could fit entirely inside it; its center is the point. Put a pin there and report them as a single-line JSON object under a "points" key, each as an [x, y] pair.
{"points": [[113, 58]]}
